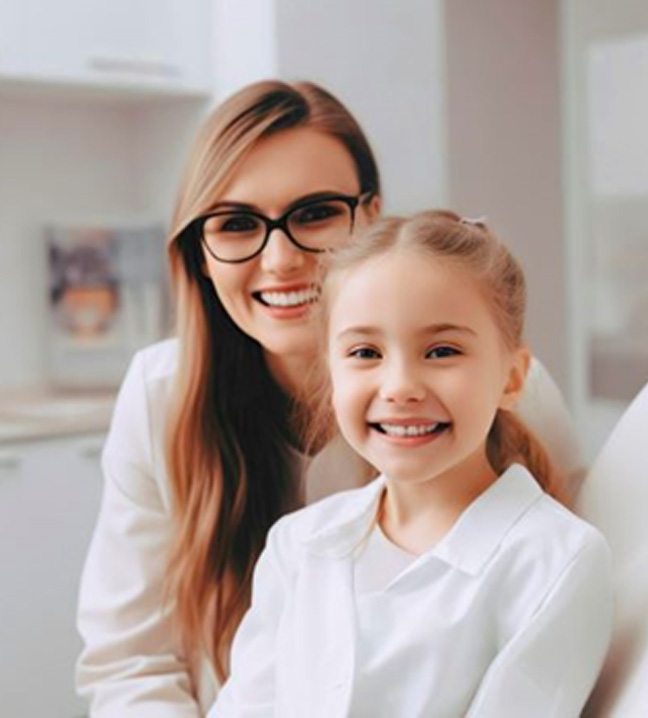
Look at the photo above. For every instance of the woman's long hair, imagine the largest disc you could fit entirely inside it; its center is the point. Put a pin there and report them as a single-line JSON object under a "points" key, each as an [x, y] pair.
{"points": [[469, 245], [230, 425]]}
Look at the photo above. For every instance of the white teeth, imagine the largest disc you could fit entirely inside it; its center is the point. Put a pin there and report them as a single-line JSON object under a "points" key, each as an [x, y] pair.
{"points": [[413, 430], [290, 299]]}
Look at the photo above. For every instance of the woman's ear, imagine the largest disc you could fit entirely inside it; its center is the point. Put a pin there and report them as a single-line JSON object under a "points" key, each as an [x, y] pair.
{"points": [[516, 378], [373, 207], [204, 264]]}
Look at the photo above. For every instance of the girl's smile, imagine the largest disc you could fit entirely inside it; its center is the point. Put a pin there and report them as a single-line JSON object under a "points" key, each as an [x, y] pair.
{"points": [[418, 367], [409, 432]]}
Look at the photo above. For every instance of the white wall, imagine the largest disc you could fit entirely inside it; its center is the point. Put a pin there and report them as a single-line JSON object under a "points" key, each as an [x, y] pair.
{"points": [[385, 60], [244, 43], [498, 153], [59, 159], [162, 132], [504, 125]]}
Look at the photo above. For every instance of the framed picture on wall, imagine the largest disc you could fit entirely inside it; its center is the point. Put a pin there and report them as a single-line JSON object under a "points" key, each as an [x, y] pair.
{"points": [[106, 299]]}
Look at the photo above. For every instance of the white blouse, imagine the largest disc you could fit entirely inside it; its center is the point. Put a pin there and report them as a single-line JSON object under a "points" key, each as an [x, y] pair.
{"points": [[131, 665], [508, 615]]}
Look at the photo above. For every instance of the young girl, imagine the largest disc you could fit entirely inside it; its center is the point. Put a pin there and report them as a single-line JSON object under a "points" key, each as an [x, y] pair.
{"points": [[453, 584]]}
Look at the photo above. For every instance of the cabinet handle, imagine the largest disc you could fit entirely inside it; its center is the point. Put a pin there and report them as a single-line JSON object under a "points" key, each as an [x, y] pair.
{"points": [[136, 67], [91, 453], [9, 463]]}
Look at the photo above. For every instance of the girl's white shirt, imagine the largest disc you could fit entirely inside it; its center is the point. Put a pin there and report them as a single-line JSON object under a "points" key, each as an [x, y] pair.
{"points": [[131, 665], [508, 615]]}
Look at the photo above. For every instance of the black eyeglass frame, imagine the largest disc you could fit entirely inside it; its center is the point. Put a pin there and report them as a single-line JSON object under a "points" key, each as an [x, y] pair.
{"points": [[352, 201]]}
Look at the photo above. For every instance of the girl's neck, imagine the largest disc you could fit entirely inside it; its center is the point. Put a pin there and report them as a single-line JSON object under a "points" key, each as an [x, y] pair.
{"points": [[417, 515]]}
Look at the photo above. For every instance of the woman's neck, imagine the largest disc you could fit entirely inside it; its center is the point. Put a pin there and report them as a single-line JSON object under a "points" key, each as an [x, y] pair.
{"points": [[290, 371]]}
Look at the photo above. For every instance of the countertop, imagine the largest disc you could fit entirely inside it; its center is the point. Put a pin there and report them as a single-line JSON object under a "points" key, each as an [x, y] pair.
{"points": [[41, 413]]}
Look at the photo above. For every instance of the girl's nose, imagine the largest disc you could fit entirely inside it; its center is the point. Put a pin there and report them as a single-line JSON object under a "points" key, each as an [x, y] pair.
{"points": [[401, 384], [280, 255]]}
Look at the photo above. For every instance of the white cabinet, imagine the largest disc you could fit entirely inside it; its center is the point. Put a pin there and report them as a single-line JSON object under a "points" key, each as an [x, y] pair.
{"points": [[155, 45], [605, 57], [13, 24], [49, 497]]}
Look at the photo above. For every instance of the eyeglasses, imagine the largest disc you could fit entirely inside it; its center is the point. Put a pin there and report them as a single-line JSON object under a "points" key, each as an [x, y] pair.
{"points": [[314, 225]]}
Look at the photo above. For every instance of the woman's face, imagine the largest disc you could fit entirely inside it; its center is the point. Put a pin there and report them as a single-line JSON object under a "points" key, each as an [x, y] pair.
{"points": [[271, 296]]}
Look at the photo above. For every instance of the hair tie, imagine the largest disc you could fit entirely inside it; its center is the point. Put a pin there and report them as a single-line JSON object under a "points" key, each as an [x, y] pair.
{"points": [[475, 222]]}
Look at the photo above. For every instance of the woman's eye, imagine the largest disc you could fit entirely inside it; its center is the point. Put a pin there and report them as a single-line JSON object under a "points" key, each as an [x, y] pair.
{"points": [[319, 212], [364, 353], [238, 223], [441, 352]]}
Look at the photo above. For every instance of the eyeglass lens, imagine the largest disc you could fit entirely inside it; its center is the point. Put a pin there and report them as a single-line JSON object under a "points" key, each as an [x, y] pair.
{"points": [[236, 235]]}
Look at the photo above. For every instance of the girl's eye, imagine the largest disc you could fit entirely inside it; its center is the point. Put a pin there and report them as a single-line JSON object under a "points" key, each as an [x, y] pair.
{"points": [[441, 352], [364, 353]]}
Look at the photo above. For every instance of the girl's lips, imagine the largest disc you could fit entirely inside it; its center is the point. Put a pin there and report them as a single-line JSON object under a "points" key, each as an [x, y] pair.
{"points": [[409, 432]]}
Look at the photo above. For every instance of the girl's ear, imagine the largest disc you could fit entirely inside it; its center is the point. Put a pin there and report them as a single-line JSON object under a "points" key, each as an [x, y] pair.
{"points": [[516, 378]]}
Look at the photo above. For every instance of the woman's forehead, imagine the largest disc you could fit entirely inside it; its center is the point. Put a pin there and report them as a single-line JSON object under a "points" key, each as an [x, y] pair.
{"points": [[290, 164]]}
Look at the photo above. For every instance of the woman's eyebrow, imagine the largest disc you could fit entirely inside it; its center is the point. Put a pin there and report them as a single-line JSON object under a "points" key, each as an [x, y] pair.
{"points": [[227, 204], [232, 204]]}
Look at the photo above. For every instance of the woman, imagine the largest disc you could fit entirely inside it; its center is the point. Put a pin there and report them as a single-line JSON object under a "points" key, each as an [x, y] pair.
{"points": [[202, 454]]}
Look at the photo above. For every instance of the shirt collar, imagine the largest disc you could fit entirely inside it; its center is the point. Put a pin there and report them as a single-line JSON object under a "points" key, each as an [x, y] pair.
{"points": [[469, 544]]}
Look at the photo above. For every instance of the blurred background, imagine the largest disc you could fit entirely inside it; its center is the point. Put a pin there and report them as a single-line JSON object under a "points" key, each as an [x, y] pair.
{"points": [[532, 113]]}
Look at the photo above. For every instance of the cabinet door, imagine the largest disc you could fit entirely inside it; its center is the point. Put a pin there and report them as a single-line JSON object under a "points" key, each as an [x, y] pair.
{"points": [[49, 498], [130, 43], [149, 39], [13, 39]]}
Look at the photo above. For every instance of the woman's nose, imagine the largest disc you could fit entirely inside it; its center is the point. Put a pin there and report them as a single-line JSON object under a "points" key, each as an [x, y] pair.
{"points": [[280, 255], [401, 383]]}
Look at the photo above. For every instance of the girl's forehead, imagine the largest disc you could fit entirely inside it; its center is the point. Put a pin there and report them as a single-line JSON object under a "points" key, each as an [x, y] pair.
{"points": [[402, 272], [405, 289]]}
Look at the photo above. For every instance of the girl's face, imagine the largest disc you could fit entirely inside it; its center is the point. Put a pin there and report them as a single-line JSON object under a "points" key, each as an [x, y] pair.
{"points": [[418, 366], [270, 296]]}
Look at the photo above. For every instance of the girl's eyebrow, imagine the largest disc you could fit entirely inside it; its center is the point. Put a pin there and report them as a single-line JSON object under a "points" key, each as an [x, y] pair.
{"points": [[369, 331]]}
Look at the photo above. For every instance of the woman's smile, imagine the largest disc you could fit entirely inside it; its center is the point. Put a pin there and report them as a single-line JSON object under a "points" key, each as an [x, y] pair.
{"points": [[287, 301]]}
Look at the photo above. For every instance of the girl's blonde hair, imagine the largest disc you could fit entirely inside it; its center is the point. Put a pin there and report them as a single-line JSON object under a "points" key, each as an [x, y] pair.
{"points": [[230, 425], [469, 245]]}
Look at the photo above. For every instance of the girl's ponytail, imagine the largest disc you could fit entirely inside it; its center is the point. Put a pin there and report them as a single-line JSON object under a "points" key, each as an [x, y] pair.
{"points": [[511, 441]]}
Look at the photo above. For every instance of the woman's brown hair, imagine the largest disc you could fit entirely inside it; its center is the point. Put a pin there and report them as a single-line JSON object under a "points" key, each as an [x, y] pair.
{"points": [[230, 425], [472, 246]]}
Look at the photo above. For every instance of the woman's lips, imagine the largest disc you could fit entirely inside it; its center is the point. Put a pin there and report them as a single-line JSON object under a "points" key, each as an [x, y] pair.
{"points": [[288, 297], [287, 302]]}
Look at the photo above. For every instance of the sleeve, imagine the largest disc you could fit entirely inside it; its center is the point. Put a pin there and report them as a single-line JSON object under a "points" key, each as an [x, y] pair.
{"points": [[130, 666], [250, 691], [542, 408], [549, 667]]}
